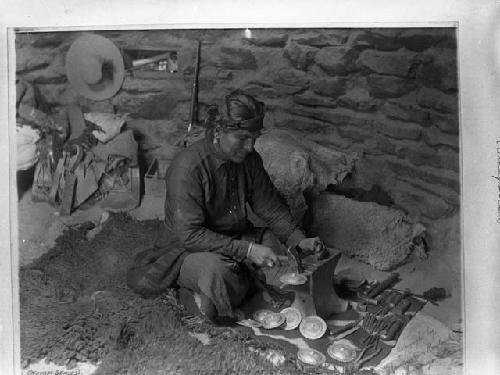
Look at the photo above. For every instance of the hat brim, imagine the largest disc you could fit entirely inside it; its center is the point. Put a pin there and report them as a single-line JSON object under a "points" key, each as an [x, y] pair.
{"points": [[93, 46]]}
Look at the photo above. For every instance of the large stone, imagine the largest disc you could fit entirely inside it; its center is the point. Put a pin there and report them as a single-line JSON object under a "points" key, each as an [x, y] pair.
{"points": [[336, 60], [300, 56], [422, 38], [398, 129], [406, 111], [388, 86], [380, 39], [236, 59], [355, 133], [435, 99], [29, 59], [414, 199], [428, 174], [321, 38], [156, 135], [434, 137], [447, 194], [358, 99], [397, 63], [267, 38], [309, 99], [142, 86], [442, 158], [304, 125], [375, 234], [259, 91], [290, 77], [442, 73], [150, 106], [445, 123], [337, 116], [330, 87]]}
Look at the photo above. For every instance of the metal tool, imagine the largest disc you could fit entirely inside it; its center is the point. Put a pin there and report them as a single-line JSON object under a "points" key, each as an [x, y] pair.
{"points": [[383, 285], [297, 255]]}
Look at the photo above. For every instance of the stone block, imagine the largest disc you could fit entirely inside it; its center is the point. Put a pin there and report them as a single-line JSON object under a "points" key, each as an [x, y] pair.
{"points": [[330, 87], [434, 137], [445, 123], [236, 59], [358, 99], [156, 135], [442, 72], [300, 56], [422, 38], [304, 125], [397, 63], [150, 106], [29, 59], [437, 100], [136, 85], [309, 99], [379, 39], [447, 194], [336, 60], [290, 77], [267, 38], [443, 158], [375, 234], [355, 133], [337, 116], [406, 111], [388, 86], [429, 205], [431, 175], [398, 129], [321, 38]]}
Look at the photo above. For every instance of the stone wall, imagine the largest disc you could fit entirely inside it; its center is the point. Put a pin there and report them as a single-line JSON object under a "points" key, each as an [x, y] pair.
{"points": [[389, 94]]}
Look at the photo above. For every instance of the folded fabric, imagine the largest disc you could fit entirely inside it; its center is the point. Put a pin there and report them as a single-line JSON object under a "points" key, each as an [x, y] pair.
{"points": [[109, 123], [26, 138]]}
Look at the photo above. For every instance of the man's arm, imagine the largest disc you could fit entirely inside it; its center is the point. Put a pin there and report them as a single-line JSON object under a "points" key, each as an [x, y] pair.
{"points": [[270, 206], [185, 203]]}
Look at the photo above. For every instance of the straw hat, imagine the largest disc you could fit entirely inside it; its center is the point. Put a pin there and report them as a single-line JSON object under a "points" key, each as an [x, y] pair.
{"points": [[94, 66]]}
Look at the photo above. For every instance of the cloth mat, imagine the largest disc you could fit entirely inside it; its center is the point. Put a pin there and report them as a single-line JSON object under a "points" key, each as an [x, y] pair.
{"points": [[292, 340]]}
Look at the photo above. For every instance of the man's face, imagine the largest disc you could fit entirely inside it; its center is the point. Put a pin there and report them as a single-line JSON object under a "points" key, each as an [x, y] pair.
{"points": [[237, 144]]}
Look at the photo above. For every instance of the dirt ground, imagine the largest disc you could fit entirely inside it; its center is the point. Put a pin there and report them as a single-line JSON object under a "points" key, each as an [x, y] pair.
{"points": [[39, 225]]}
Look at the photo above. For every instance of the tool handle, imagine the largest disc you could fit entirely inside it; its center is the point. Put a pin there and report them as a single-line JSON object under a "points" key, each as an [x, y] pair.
{"points": [[384, 285], [402, 306], [392, 332]]}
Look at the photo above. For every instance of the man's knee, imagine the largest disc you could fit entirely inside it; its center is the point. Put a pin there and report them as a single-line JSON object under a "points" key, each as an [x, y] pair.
{"points": [[208, 263]]}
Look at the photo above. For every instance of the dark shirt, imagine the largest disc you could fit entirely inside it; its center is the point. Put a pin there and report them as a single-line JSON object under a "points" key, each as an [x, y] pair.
{"points": [[207, 197]]}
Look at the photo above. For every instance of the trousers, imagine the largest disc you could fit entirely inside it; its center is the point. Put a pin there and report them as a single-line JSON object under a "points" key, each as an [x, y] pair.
{"points": [[223, 280]]}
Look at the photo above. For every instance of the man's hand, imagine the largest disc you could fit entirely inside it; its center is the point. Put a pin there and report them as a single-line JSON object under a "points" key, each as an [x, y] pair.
{"points": [[311, 245], [262, 256]]}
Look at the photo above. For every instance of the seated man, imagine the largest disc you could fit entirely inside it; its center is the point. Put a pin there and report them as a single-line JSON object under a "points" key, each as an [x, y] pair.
{"points": [[209, 185]]}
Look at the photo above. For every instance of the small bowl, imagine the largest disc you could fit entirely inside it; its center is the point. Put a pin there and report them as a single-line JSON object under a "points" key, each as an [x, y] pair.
{"points": [[341, 352], [293, 278], [273, 320], [311, 357], [312, 327], [293, 318], [260, 314]]}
